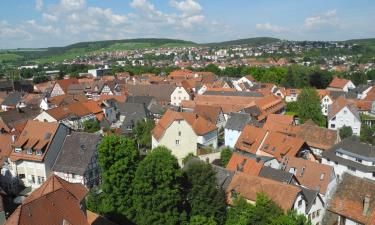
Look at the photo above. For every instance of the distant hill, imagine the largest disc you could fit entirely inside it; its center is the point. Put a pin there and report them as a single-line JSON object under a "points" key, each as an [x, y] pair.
{"points": [[82, 48], [368, 43], [257, 41]]}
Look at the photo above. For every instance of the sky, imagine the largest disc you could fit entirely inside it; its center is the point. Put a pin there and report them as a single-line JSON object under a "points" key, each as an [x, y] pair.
{"points": [[46, 23]]}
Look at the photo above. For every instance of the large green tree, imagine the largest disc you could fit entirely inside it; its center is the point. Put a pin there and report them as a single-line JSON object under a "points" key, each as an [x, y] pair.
{"points": [[309, 107], [118, 159], [158, 196], [201, 220], [204, 198], [142, 132], [225, 156]]}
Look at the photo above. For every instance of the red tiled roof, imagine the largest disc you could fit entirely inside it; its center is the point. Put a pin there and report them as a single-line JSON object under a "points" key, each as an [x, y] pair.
{"points": [[310, 174], [338, 82], [244, 164], [200, 125], [284, 195], [49, 203]]}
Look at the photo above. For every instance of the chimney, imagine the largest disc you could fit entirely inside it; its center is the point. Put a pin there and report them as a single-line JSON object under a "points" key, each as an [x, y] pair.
{"points": [[366, 204]]}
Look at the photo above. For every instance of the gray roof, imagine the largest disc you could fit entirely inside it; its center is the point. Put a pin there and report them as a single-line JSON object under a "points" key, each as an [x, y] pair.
{"points": [[275, 174], [77, 152], [310, 196], [353, 147], [237, 121], [234, 93], [133, 112], [140, 99], [14, 116], [12, 99], [161, 92], [360, 88], [223, 176], [337, 94]]}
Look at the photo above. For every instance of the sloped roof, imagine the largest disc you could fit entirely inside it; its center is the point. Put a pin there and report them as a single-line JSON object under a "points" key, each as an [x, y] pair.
{"points": [[338, 82], [37, 135], [12, 99], [339, 104], [242, 163], [237, 121], [310, 174], [72, 109], [275, 174], [348, 199], [76, 153], [210, 113], [284, 195], [317, 137], [199, 125], [65, 83], [49, 203]]}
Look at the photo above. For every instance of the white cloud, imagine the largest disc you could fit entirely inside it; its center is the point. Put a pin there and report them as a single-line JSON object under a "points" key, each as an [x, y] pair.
{"points": [[188, 7], [33, 25], [49, 17], [72, 4], [327, 19], [39, 5], [270, 27], [8, 32]]}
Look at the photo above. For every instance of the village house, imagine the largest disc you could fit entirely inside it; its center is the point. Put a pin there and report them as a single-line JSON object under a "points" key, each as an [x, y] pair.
{"points": [[344, 113], [35, 151], [180, 94], [261, 142], [77, 161], [184, 133], [340, 84], [234, 126], [351, 156], [72, 115], [213, 114], [286, 196], [61, 86], [353, 202], [312, 175]]}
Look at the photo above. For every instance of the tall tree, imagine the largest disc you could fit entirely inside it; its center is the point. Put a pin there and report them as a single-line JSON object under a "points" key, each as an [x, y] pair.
{"points": [[225, 156], [201, 220], [142, 132], [309, 107], [345, 132], [118, 159], [158, 196], [204, 198]]}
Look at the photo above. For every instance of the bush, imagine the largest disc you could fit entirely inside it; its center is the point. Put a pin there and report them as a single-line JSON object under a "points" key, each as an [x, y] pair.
{"points": [[345, 132]]}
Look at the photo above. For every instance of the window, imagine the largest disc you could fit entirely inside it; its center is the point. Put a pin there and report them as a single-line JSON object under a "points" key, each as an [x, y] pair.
{"points": [[358, 160], [177, 142], [373, 174], [302, 171], [336, 163], [351, 169], [29, 151], [322, 176], [40, 180], [179, 133], [38, 152], [21, 176], [317, 212], [18, 149], [333, 125], [73, 175], [299, 203], [32, 179]]}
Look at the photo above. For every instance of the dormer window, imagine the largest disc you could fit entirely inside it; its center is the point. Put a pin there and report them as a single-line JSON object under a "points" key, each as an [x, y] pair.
{"points": [[29, 151], [38, 152], [18, 150], [302, 171], [322, 176]]}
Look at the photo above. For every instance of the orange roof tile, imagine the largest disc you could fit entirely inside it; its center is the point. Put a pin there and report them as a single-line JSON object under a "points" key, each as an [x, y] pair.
{"points": [[244, 164], [338, 82], [310, 174], [284, 195], [200, 125]]}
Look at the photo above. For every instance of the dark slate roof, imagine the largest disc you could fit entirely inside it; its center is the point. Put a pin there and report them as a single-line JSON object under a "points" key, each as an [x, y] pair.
{"points": [[161, 92], [234, 93], [253, 110], [12, 99], [337, 94], [237, 121], [275, 174], [6, 85], [310, 196], [133, 112], [77, 152], [14, 116], [353, 147], [223, 176], [360, 88], [140, 99]]}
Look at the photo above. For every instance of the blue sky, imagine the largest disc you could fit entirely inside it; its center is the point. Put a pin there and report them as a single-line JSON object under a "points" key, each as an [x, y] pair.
{"points": [[43, 23]]}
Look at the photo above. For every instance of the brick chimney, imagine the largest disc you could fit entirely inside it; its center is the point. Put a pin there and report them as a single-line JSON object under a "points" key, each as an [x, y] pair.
{"points": [[366, 204]]}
